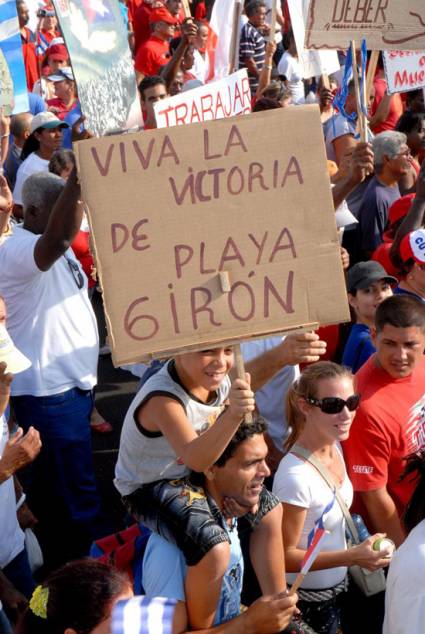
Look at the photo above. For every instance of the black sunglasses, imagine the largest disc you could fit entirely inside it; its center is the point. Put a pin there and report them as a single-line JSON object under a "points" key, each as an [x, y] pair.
{"points": [[334, 405], [76, 273]]}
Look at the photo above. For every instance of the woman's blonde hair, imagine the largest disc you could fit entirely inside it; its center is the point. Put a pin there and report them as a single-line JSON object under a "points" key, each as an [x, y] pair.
{"points": [[306, 387]]}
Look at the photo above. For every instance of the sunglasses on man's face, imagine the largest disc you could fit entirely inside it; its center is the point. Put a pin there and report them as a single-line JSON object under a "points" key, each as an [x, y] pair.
{"points": [[334, 405]]}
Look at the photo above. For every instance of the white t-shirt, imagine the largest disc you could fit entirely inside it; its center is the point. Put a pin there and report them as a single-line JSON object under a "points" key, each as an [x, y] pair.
{"points": [[31, 165], [297, 482], [11, 536], [292, 69], [270, 399], [405, 595], [49, 319], [201, 66]]}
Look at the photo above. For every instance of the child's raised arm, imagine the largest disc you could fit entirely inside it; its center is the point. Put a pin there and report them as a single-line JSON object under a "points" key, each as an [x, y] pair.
{"points": [[198, 452]]}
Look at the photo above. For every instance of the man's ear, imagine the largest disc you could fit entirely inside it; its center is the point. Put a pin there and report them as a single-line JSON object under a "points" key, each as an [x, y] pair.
{"points": [[373, 335], [351, 300], [31, 211]]}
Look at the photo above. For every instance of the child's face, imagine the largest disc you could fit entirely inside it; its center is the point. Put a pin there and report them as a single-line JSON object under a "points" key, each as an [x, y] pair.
{"points": [[366, 300], [205, 369]]}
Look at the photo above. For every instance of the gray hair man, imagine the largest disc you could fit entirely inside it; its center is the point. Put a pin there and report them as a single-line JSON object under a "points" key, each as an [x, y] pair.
{"points": [[392, 161]]}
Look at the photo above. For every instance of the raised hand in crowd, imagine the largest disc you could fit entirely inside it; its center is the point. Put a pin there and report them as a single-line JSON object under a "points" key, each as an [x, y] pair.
{"points": [[19, 451], [356, 165], [79, 132], [269, 614], [4, 134]]}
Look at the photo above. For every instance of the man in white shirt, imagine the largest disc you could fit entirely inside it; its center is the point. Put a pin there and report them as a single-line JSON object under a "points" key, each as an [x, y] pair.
{"points": [[52, 322]]}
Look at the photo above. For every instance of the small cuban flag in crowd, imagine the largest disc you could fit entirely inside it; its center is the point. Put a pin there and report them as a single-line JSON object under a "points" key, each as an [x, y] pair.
{"points": [[315, 539], [140, 615]]}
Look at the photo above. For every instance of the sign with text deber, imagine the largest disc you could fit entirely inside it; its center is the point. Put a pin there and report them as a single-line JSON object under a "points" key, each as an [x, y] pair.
{"points": [[171, 209], [386, 24]]}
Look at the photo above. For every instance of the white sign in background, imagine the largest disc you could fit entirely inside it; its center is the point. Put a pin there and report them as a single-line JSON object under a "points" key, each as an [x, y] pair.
{"points": [[404, 70], [314, 63], [218, 100]]}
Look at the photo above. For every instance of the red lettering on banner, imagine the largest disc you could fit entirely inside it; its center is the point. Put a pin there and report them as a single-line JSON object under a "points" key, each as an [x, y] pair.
{"points": [[103, 169], [206, 109], [194, 115], [180, 113]]}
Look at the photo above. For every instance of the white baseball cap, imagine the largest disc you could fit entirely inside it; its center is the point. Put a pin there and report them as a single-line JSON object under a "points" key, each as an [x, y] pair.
{"points": [[10, 355]]}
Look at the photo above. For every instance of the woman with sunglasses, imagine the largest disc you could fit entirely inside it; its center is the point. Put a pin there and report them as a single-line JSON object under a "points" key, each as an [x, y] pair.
{"points": [[320, 409]]}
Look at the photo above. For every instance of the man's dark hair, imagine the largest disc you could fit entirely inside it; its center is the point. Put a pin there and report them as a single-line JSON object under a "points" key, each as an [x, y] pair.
{"points": [[410, 122], [244, 431], [61, 159], [400, 311], [253, 6], [149, 82]]}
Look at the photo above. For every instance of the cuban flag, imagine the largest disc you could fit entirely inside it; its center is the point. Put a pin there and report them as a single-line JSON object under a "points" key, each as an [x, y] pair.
{"points": [[315, 539], [220, 39], [141, 615]]}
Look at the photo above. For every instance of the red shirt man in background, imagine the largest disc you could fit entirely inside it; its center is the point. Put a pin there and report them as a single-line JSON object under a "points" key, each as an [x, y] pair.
{"points": [[390, 422], [155, 52], [28, 45]]}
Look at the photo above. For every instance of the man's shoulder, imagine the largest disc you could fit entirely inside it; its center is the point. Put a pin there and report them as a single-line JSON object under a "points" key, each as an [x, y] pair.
{"points": [[164, 569]]}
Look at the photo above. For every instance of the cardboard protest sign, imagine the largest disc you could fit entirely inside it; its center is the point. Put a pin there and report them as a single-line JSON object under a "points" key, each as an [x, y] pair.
{"points": [[386, 24], [224, 98], [171, 209], [13, 83], [404, 70], [96, 38], [313, 62]]}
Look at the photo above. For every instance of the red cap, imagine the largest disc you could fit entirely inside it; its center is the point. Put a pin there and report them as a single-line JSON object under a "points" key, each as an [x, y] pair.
{"points": [[412, 247], [58, 52], [400, 208], [161, 15]]}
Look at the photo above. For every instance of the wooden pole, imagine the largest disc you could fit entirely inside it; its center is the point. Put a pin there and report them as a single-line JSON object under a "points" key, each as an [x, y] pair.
{"points": [[361, 117], [324, 79], [224, 279], [373, 62], [273, 22], [234, 43], [240, 369], [186, 9]]}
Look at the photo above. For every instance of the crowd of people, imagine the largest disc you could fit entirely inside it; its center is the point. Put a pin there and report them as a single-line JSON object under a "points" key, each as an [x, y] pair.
{"points": [[228, 505]]}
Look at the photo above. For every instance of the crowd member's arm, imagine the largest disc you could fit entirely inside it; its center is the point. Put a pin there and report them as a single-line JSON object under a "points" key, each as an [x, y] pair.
{"points": [[6, 205], [266, 71], [169, 71], [360, 555], [10, 596], [360, 165], [383, 514], [165, 414], [414, 218], [295, 348], [267, 615], [62, 227], [382, 111]]}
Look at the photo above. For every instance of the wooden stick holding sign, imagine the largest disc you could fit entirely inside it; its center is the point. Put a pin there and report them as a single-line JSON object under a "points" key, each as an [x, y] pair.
{"points": [[240, 366], [234, 42], [186, 9], [272, 33], [373, 62], [361, 117]]}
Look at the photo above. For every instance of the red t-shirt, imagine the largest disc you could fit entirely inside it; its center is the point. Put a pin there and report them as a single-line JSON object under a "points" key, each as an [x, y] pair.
{"points": [[62, 108], [396, 106], [151, 56], [388, 426], [141, 26], [30, 57], [81, 248]]}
